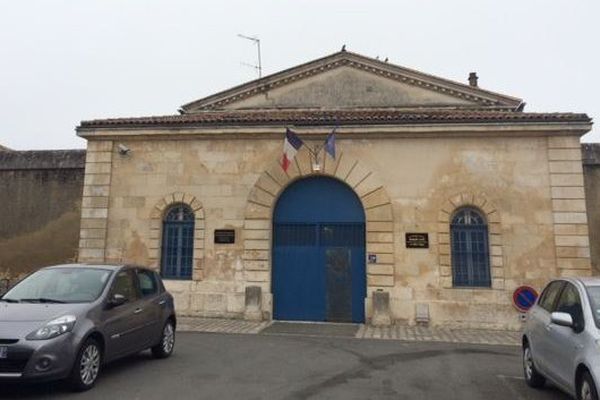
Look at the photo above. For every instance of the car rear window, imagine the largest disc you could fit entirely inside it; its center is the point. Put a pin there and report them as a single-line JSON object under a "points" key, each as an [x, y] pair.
{"points": [[148, 284], [549, 295]]}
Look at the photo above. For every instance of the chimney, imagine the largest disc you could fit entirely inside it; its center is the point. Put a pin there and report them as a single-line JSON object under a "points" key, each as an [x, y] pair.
{"points": [[473, 79]]}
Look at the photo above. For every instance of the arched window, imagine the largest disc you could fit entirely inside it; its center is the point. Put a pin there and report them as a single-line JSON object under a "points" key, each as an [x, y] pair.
{"points": [[178, 242], [470, 249]]}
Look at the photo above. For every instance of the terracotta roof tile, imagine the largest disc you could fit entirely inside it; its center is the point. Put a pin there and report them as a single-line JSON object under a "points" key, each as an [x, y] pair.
{"points": [[332, 117]]}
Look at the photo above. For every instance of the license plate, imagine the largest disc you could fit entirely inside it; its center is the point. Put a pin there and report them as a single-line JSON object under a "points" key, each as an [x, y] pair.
{"points": [[3, 352]]}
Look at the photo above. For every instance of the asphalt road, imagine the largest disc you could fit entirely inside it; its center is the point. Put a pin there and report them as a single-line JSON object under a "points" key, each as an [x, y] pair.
{"points": [[221, 366]]}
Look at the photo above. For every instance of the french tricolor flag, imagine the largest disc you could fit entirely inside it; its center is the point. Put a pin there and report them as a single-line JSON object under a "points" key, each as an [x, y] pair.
{"points": [[291, 145]]}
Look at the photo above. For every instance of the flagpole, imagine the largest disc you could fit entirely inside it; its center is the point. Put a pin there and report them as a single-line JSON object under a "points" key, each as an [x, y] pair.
{"points": [[314, 151]]}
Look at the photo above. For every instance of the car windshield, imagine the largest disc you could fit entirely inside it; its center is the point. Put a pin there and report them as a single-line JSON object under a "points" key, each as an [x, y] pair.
{"points": [[60, 285], [594, 295]]}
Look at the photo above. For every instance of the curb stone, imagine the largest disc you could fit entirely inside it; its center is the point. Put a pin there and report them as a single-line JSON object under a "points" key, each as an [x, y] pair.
{"points": [[394, 332]]}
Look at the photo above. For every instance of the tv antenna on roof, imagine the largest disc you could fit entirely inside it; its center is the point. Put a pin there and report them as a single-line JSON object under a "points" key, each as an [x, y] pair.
{"points": [[256, 41]]}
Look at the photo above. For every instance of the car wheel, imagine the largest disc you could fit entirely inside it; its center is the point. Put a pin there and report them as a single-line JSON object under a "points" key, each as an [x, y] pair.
{"points": [[167, 341], [587, 388], [532, 377], [87, 366]]}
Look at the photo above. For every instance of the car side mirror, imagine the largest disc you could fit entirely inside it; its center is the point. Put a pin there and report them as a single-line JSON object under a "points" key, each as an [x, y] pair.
{"points": [[562, 319], [117, 300]]}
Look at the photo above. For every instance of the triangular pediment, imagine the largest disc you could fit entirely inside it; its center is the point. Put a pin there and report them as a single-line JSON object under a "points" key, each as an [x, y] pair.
{"points": [[348, 80]]}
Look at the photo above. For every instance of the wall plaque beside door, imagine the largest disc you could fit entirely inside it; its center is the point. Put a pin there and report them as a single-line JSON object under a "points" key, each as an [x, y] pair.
{"points": [[417, 240], [224, 236]]}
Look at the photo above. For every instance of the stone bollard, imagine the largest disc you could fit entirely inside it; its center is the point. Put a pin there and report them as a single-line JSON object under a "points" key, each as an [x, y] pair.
{"points": [[422, 314], [253, 303], [381, 309]]}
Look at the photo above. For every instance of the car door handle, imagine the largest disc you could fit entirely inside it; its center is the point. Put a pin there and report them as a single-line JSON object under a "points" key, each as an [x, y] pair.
{"points": [[137, 311], [162, 302]]}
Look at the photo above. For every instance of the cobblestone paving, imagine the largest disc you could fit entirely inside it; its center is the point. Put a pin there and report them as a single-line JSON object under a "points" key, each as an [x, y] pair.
{"points": [[396, 332], [215, 325], [424, 334]]}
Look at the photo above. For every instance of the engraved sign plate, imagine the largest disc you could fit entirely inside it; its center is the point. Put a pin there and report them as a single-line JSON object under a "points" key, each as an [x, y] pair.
{"points": [[417, 240], [224, 236]]}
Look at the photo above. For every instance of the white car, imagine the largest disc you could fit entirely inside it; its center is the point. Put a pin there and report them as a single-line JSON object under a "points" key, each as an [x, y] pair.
{"points": [[561, 339]]}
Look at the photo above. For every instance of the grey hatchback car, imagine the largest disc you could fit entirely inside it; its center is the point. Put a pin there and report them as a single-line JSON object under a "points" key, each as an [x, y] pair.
{"points": [[561, 337], [67, 321]]}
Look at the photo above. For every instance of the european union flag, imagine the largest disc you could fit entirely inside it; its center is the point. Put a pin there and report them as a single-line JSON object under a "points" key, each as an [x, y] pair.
{"points": [[330, 143]]}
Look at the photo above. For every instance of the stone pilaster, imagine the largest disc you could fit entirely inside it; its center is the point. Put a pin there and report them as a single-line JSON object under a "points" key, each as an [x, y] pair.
{"points": [[94, 206], [571, 237]]}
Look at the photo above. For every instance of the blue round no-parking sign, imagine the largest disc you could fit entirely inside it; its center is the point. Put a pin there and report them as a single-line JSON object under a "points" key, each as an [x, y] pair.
{"points": [[524, 298]]}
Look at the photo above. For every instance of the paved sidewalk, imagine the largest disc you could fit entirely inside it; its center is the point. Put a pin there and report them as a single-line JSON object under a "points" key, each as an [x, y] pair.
{"points": [[216, 325], [424, 334], [395, 332]]}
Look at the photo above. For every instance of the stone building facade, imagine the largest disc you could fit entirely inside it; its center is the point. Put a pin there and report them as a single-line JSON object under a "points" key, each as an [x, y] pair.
{"points": [[422, 155]]}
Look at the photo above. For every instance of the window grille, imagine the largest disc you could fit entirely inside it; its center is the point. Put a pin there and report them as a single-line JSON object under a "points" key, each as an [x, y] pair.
{"points": [[470, 249], [178, 243]]}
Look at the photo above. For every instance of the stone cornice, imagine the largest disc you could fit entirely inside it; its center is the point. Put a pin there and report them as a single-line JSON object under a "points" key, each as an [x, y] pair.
{"points": [[327, 117], [349, 132]]}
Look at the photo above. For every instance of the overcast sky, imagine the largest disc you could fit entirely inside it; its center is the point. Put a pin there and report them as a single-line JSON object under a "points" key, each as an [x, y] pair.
{"points": [[65, 61]]}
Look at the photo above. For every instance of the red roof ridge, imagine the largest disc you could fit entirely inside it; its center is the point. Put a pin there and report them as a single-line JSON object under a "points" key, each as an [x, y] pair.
{"points": [[341, 117]]}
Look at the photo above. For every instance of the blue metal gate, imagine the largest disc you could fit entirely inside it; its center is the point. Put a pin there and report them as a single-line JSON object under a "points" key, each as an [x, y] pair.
{"points": [[319, 253]]}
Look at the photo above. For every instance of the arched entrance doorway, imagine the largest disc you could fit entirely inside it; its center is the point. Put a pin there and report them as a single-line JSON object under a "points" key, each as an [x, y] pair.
{"points": [[319, 252]]}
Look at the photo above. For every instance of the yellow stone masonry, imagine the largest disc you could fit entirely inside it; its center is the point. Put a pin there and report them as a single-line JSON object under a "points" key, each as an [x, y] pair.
{"points": [[536, 216]]}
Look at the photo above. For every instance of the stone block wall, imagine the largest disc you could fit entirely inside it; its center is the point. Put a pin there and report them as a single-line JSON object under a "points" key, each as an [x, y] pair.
{"points": [[591, 174], [41, 208], [539, 206]]}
